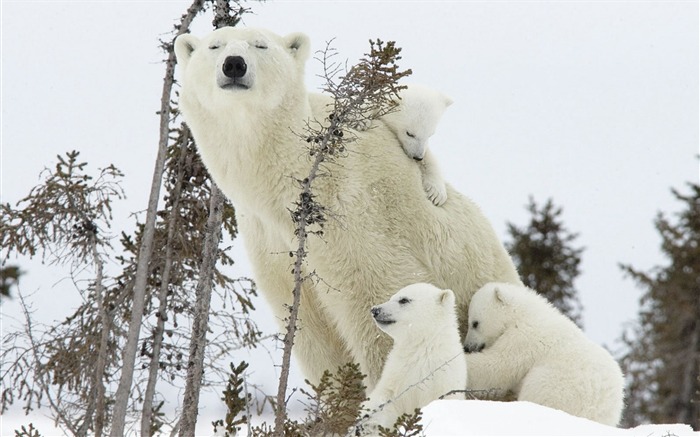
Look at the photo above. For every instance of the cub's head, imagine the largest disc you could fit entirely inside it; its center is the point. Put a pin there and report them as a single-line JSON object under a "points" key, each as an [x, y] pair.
{"points": [[415, 310], [416, 117], [490, 315], [240, 64]]}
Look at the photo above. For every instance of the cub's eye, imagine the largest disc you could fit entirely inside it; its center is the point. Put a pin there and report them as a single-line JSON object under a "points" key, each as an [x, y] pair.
{"points": [[410, 135], [260, 45], [404, 300], [214, 46], [475, 324]]}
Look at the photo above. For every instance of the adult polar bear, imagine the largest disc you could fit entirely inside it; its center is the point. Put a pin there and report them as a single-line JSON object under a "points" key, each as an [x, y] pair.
{"points": [[243, 97]]}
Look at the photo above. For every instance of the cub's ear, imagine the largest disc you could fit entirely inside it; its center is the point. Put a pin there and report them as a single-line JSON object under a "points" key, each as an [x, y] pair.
{"points": [[447, 101], [500, 296], [446, 297], [299, 45], [185, 44]]}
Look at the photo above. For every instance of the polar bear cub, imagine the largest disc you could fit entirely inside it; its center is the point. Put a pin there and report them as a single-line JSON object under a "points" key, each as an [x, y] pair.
{"points": [[414, 120], [518, 341], [426, 361]]}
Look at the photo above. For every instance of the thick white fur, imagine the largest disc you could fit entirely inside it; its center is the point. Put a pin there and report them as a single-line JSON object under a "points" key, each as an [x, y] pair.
{"points": [[426, 361], [383, 233], [530, 348]]}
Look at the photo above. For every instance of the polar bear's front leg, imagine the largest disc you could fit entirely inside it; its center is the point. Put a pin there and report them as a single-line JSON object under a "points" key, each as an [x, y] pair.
{"points": [[433, 182], [379, 410], [318, 346]]}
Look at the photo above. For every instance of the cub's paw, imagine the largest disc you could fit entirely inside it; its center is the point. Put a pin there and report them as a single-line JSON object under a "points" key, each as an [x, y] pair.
{"points": [[436, 191]]}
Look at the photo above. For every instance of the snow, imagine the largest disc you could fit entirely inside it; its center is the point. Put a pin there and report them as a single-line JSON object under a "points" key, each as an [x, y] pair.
{"points": [[482, 418]]}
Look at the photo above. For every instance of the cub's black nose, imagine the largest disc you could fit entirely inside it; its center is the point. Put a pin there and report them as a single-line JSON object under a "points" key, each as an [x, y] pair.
{"points": [[375, 311], [234, 66]]}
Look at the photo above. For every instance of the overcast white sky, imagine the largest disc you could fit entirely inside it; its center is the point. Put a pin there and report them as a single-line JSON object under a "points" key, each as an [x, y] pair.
{"points": [[594, 104]]}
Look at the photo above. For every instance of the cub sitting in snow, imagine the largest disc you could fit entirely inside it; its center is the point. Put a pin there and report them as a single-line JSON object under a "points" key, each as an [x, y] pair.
{"points": [[518, 341], [426, 360], [414, 119]]}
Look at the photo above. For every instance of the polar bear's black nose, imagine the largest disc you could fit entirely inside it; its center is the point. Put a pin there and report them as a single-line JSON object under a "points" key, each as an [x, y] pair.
{"points": [[375, 311], [234, 66]]}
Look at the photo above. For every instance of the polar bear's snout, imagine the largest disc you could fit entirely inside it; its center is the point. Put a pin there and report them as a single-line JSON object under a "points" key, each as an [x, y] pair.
{"points": [[234, 67], [382, 318], [473, 347], [235, 72]]}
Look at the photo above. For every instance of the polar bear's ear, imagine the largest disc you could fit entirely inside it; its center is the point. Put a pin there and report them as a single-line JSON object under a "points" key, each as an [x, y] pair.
{"points": [[446, 297], [447, 101], [500, 296], [298, 45], [185, 44]]}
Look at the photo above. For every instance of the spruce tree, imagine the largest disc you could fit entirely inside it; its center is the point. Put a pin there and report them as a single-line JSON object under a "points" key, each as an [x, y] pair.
{"points": [[546, 259], [662, 362]]}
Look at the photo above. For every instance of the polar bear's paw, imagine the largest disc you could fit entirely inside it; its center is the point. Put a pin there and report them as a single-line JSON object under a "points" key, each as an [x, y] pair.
{"points": [[435, 190]]}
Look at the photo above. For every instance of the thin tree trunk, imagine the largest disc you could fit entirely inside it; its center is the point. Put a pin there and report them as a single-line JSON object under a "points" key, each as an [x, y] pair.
{"points": [[102, 355], [281, 403], [97, 402], [154, 366], [195, 363], [139, 294], [688, 414], [61, 418]]}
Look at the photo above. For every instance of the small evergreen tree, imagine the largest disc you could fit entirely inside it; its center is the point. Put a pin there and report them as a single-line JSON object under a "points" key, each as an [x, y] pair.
{"points": [[546, 259], [662, 362], [66, 219]]}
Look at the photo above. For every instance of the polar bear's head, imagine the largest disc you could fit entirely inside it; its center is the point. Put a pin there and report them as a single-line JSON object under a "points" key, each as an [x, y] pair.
{"points": [[240, 65], [415, 118], [416, 310], [491, 313]]}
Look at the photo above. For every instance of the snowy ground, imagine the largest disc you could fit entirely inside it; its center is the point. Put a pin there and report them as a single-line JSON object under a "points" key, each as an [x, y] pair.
{"points": [[470, 418], [488, 418]]}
